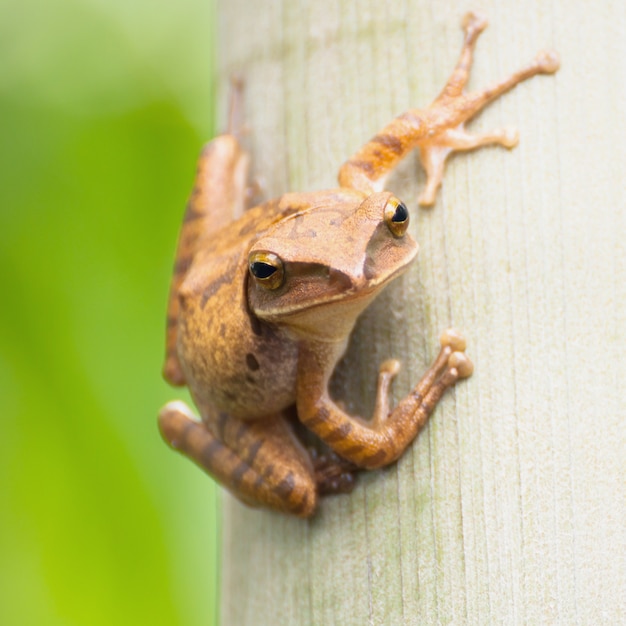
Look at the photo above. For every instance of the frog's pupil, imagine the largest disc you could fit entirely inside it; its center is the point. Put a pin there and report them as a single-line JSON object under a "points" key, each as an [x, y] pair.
{"points": [[401, 214], [262, 270]]}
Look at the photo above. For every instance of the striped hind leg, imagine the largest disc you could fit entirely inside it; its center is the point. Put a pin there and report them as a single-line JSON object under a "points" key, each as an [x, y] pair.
{"points": [[260, 462]]}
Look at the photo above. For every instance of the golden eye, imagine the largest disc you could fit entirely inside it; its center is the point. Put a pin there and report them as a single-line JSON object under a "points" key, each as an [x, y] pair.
{"points": [[396, 217], [267, 269]]}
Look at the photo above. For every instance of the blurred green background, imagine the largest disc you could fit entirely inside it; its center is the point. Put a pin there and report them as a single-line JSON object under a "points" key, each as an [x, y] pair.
{"points": [[104, 107]]}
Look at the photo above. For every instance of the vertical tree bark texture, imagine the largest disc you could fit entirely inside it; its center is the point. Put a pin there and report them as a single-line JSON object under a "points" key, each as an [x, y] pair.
{"points": [[510, 507]]}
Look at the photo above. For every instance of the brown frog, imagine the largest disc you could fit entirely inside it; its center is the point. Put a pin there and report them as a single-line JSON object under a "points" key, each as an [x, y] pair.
{"points": [[261, 308]]}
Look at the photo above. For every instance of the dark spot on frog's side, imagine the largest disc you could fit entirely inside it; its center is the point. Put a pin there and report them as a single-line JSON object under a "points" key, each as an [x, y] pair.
{"points": [[252, 362]]}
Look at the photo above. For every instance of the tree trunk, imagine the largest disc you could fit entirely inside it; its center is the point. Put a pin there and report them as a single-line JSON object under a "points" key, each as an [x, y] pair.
{"points": [[510, 507]]}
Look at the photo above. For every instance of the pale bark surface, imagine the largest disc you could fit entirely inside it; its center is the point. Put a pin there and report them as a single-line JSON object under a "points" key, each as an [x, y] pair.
{"points": [[511, 506]]}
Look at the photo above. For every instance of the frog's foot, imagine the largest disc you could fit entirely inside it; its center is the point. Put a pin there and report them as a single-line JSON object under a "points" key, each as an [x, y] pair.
{"points": [[435, 152], [333, 474], [260, 462], [451, 365], [457, 364], [462, 106]]}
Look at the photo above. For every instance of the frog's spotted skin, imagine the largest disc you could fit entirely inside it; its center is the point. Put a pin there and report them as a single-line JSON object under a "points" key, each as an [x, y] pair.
{"points": [[262, 304]]}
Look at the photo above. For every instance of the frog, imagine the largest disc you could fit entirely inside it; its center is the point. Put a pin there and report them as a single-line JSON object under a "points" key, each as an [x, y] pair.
{"points": [[263, 301]]}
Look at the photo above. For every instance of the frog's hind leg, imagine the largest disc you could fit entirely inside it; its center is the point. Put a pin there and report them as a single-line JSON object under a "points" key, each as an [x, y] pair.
{"points": [[220, 195], [260, 462]]}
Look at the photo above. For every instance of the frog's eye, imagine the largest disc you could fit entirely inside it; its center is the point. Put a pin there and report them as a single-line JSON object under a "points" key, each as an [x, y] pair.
{"points": [[267, 269], [396, 217]]}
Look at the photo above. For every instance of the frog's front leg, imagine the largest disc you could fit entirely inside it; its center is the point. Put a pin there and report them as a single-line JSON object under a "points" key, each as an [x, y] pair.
{"points": [[261, 461], [438, 130], [384, 439]]}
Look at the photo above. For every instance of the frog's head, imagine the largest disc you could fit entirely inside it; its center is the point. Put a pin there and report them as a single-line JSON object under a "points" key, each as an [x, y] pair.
{"points": [[316, 270]]}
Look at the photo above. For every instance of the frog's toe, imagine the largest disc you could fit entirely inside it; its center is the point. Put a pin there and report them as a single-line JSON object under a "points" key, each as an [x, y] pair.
{"points": [[454, 339], [461, 363], [474, 23], [510, 137], [390, 366], [548, 61]]}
